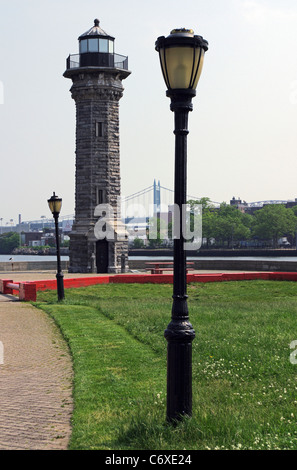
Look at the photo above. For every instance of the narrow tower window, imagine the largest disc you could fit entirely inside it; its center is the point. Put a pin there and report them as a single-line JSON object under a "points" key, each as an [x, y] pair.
{"points": [[100, 196], [99, 129]]}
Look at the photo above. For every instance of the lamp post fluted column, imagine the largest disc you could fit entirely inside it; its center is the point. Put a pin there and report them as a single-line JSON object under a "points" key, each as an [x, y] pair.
{"points": [[181, 57], [180, 333]]}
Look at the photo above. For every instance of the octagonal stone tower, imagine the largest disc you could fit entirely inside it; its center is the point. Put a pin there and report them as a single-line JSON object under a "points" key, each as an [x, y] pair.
{"points": [[97, 74]]}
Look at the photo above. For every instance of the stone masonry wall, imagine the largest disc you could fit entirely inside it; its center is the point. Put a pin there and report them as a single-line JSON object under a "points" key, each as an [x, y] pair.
{"points": [[97, 96]]}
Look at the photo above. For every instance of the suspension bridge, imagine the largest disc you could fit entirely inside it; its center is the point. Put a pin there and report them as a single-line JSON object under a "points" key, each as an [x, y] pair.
{"points": [[149, 201]]}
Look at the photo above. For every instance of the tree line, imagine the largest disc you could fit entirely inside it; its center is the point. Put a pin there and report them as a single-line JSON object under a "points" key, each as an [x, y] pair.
{"points": [[228, 226], [9, 241]]}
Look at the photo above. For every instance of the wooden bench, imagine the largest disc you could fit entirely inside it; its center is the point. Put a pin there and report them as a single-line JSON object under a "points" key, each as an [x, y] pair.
{"points": [[157, 267]]}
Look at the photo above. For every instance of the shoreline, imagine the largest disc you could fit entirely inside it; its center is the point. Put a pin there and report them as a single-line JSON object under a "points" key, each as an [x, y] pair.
{"points": [[139, 264]]}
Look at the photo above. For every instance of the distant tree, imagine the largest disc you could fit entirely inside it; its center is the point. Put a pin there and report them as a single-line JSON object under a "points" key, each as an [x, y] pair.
{"points": [[208, 216], [157, 232], [138, 243], [205, 202], [273, 222], [9, 241], [209, 220], [231, 225]]}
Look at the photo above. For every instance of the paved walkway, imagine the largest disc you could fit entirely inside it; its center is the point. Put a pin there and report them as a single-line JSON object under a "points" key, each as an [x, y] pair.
{"points": [[35, 380]]}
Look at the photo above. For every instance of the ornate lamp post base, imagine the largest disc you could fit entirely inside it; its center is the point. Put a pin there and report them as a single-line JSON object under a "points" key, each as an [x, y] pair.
{"points": [[179, 335]]}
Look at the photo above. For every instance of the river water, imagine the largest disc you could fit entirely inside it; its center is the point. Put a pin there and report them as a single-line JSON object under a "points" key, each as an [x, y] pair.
{"points": [[235, 258], [16, 258]]}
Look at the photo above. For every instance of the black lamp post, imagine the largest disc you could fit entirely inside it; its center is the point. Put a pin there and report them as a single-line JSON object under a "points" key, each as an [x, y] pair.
{"points": [[181, 57], [55, 204]]}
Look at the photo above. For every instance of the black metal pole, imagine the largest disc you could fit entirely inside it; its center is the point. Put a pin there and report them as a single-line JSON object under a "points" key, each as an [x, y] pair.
{"points": [[179, 333], [59, 275]]}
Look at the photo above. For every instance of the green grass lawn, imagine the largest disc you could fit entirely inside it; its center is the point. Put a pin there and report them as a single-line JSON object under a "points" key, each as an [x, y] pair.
{"points": [[244, 384]]}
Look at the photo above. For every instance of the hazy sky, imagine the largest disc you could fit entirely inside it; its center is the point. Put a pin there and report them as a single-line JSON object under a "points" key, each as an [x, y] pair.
{"points": [[243, 130]]}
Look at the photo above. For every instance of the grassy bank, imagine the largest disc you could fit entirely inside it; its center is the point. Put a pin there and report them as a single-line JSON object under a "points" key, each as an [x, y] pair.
{"points": [[244, 385]]}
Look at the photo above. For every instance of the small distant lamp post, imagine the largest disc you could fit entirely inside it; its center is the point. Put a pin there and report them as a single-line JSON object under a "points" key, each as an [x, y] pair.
{"points": [[181, 57], [55, 204]]}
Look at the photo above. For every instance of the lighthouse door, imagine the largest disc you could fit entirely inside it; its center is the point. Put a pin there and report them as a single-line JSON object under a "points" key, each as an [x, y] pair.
{"points": [[102, 256]]}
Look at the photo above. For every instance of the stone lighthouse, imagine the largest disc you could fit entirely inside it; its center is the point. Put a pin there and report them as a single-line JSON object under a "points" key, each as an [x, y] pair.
{"points": [[97, 73]]}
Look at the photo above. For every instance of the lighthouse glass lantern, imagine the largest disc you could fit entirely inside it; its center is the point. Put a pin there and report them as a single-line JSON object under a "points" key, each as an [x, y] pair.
{"points": [[96, 47]]}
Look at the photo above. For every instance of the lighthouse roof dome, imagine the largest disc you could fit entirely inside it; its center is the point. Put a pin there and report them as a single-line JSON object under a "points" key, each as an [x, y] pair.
{"points": [[95, 31]]}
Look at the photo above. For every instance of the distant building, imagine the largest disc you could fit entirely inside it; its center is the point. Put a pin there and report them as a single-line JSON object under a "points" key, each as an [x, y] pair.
{"points": [[31, 238], [239, 204], [39, 238], [291, 204]]}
